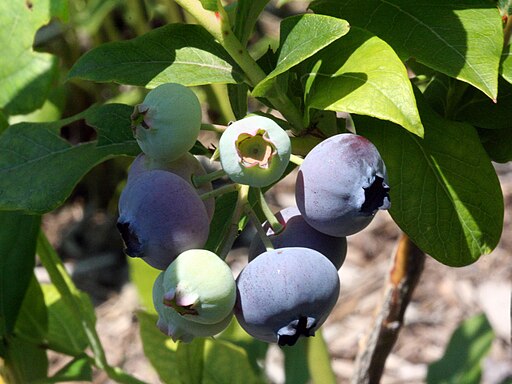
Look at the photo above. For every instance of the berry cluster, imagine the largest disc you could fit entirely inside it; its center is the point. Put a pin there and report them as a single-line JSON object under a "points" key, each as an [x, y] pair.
{"points": [[291, 283]]}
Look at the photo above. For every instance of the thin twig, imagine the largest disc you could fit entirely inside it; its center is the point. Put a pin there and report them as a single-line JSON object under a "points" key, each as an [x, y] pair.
{"points": [[407, 266]]}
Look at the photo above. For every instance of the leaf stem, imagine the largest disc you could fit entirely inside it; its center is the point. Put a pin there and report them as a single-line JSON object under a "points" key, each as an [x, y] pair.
{"points": [[259, 228], [276, 226]]}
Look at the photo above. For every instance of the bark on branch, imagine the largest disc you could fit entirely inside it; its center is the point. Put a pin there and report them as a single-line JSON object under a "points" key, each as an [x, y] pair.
{"points": [[407, 265]]}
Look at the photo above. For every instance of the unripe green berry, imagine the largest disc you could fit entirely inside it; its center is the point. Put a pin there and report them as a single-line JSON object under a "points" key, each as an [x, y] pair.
{"points": [[178, 327], [200, 286], [254, 151], [167, 122]]}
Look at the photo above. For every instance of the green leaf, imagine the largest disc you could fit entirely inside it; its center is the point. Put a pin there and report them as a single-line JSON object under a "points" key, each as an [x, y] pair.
{"points": [[158, 348], [309, 361], [25, 362], [497, 143], [18, 233], [190, 361], [179, 53], [361, 74], [221, 221], [64, 333], [506, 64], [32, 321], [445, 193], [209, 5], [143, 276], [256, 350], [301, 37], [484, 113], [237, 94], [459, 38], [203, 361], [25, 75], [112, 123], [247, 14], [226, 363], [39, 169], [461, 363], [319, 360], [296, 363], [78, 369], [3, 122]]}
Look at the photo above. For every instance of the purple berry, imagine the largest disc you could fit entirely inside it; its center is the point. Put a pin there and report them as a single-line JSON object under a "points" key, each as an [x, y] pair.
{"points": [[286, 293], [298, 233], [161, 216], [341, 184], [186, 166]]}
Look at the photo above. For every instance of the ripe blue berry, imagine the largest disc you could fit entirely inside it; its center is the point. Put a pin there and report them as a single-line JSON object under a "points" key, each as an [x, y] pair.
{"points": [[341, 184], [286, 293], [186, 167], [298, 233], [254, 151], [161, 216]]}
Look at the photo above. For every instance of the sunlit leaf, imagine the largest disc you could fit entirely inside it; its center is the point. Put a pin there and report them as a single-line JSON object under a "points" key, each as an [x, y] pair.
{"points": [[459, 38]]}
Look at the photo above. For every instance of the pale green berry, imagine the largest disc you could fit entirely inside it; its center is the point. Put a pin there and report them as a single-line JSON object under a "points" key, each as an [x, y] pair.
{"points": [[178, 327], [254, 151], [200, 286], [166, 124]]}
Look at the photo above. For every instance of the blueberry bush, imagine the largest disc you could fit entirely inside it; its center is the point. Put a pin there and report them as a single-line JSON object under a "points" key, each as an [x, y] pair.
{"points": [[376, 105]]}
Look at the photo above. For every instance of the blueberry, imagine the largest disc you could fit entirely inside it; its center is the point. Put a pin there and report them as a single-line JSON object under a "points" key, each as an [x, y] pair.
{"points": [[254, 151], [166, 124], [298, 233], [186, 166], [199, 285], [341, 184], [175, 325], [286, 293], [161, 216]]}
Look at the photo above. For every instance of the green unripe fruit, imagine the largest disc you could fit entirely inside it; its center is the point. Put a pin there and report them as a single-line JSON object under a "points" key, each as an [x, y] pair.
{"points": [[254, 151], [175, 325], [200, 286], [167, 122]]}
